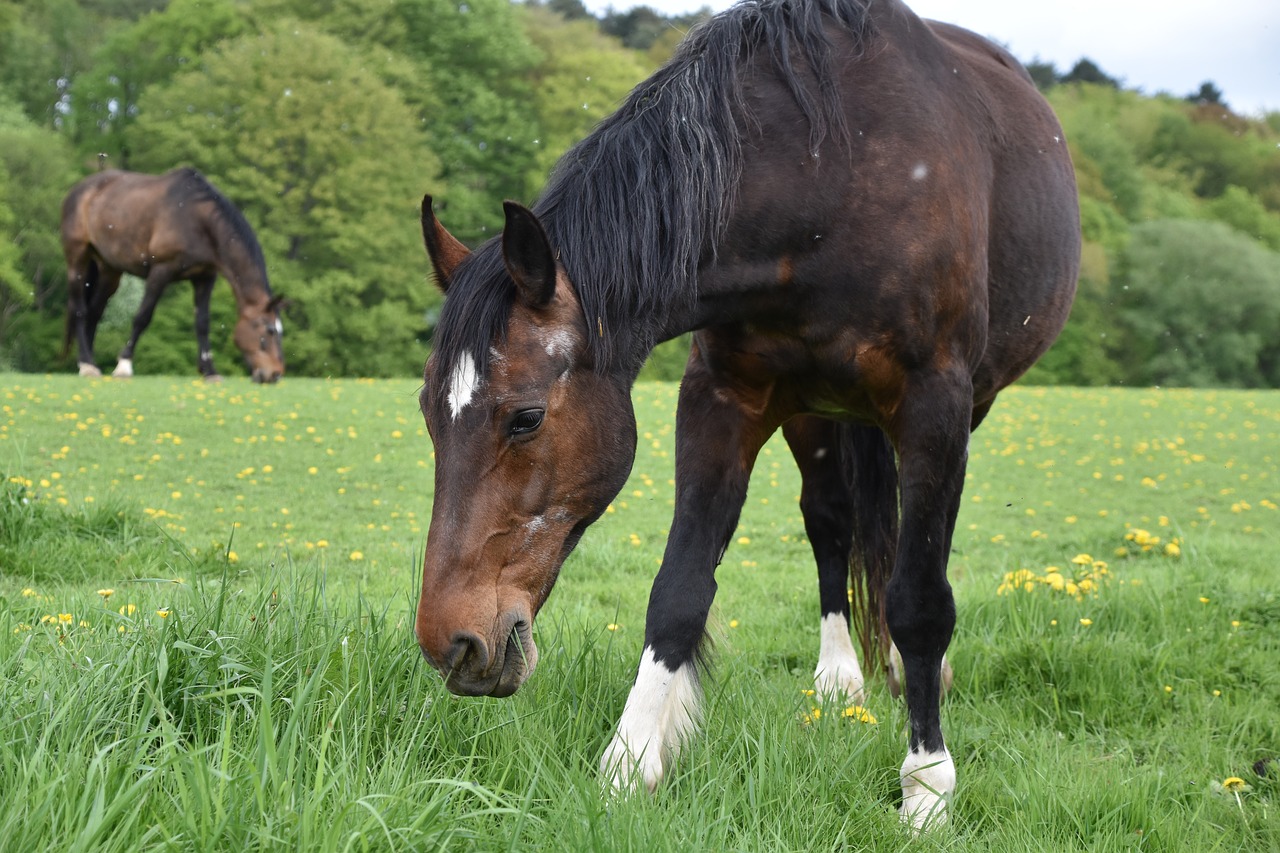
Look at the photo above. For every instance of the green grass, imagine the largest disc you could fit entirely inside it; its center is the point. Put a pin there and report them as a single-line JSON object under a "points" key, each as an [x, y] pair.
{"points": [[281, 703]]}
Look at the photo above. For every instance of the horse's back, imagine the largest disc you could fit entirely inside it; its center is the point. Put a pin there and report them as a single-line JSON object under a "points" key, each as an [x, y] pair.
{"points": [[943, 227], [130, 219]]}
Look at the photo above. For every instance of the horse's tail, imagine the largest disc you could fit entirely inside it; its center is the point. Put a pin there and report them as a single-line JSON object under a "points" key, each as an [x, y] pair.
{"points": [[875, 535]]}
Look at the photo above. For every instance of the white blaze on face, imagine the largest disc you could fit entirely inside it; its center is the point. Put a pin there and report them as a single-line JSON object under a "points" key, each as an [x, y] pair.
{"points": [[279, 327], [463, 384]]}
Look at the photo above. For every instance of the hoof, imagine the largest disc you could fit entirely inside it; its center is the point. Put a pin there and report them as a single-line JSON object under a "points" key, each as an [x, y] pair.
{"points": [[213, 378], [90, 370]]}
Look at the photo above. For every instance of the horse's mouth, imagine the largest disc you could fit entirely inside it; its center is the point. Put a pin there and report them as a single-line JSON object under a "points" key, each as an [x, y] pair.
{"points": [[510, 666]]}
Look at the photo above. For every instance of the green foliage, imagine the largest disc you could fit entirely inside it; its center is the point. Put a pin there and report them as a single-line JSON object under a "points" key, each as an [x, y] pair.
{"points": [[583, 77], [35, 165], [1200, 306], [1243, 211], [135, 58], [43, 44], [477, 60]]}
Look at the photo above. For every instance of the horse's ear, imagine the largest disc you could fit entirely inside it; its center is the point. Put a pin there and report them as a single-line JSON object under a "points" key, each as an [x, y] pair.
{"points": [[445, 250], [527, 253], [277, 302]]}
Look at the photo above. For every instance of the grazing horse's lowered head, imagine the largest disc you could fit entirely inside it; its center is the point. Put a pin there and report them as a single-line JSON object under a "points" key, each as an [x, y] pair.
{"points": [[259, 335], [531, 444]]}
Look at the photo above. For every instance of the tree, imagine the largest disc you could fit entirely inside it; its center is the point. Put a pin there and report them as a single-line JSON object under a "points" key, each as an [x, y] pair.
{"points": [[583, 76], [1208, 93], [1045, 74], [104, 100], [1199, 305], [476, 59], [43, 44], [321, 157], [1087, 71], [35, 171], [1242, 210]]}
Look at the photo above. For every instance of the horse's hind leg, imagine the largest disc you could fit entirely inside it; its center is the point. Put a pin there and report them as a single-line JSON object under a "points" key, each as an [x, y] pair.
{"points": [[204, 359], [826, 501], [82, 285], [931, 429], [717, 438]]}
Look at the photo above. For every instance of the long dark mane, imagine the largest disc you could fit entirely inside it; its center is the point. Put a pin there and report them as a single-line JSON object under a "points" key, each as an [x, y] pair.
{"points": [[238, 243], [637, 206]]}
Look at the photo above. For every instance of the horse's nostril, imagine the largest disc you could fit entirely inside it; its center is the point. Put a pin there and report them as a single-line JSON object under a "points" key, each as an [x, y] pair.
{"points": [[466, 651]]}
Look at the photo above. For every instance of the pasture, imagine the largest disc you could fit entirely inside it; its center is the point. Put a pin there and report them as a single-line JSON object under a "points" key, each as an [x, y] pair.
{"points": [[206, 594]]}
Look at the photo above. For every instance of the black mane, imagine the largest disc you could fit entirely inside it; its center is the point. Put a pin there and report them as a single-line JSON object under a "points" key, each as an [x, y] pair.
{"points": [[190, 187], [634, 208]]}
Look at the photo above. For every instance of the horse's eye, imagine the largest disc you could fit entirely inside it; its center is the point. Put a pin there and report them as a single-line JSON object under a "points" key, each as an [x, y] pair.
{"points": [[526, 421]]}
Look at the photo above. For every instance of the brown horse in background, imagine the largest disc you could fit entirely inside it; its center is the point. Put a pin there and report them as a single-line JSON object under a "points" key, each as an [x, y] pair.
{"points": [[165, 228], [870, 224]]}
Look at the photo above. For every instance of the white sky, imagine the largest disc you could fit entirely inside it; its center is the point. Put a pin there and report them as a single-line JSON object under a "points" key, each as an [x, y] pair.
{"points": [[1171, 46]]}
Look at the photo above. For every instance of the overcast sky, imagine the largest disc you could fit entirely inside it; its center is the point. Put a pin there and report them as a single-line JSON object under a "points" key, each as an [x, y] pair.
{"points": [[1170, 46]]}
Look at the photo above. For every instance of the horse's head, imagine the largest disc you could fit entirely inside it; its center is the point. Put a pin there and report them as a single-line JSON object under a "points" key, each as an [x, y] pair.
{"points": [[260, 336], [531, 444]]}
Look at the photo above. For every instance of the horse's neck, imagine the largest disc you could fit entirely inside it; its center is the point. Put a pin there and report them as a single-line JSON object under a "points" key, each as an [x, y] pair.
{"points": [[247, 277]]}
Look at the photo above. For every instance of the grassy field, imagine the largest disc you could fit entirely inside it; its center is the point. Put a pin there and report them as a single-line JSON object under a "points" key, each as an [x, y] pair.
{"points": [[206, 594]]}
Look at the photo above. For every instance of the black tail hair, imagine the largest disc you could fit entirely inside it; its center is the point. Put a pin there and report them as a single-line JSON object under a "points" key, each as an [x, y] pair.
{"points": [[873, 469]]}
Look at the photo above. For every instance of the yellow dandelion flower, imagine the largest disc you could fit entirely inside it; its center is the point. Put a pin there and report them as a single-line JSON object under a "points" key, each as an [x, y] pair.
{"points": [[106, 593], [612, 626], [1234, 783], [1204, 600], [733, 623], [65, 618], [28, 592], [128, 610], [1173, 550], [357, 555], [163, 613], [1086, 622], [859, 714]]}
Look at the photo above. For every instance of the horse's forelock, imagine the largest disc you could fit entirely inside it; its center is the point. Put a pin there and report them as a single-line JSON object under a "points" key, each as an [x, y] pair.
{"points": [[475, 315]]}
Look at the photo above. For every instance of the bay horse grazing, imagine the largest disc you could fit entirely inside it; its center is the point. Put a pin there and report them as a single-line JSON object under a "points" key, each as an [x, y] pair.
{"points": [[165, 228], [870, 223]]}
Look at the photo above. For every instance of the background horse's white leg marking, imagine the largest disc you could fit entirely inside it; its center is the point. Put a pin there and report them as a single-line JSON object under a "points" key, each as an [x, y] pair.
{"points": [[90, 370], [838, 674], [124, 368], [661, 713], [463, 384], [928, 778]]}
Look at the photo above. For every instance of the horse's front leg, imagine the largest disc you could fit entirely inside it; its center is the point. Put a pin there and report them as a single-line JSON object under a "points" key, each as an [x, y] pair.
{"points": [[932, 435], [718, 434], [158, 278], [204, 360]]}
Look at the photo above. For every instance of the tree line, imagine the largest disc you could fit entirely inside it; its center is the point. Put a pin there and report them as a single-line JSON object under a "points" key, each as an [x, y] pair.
{"points": [[326, 121]]}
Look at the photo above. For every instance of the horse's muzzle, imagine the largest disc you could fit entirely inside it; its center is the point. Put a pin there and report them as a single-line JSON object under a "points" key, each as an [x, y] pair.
{"points": [[267, 377], [471, 666]]}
